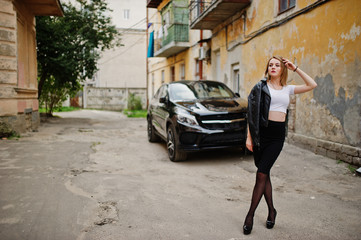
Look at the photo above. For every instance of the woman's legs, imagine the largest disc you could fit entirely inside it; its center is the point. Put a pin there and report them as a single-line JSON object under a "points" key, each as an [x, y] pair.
{"points": [[258, 191], [262, 187], [269, 200]]}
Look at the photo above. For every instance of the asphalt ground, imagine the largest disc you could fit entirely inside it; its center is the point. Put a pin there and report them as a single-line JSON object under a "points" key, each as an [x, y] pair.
{"points": [[93, 175]]}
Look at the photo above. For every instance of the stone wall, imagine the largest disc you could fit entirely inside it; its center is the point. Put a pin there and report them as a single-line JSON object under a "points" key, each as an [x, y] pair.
{"points": [[111, 98], [26, 122]]}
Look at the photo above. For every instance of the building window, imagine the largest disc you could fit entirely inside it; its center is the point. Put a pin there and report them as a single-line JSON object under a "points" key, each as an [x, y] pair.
{"points": [[235, 78], [182, 72], [162, 76], [284, 5], [126, 14]]}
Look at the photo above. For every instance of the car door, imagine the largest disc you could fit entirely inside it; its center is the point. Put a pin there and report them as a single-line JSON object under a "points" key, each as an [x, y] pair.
{"points": [[163, 110], [160, 111]]}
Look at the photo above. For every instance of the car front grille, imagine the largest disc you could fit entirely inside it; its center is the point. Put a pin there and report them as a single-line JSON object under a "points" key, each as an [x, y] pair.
{"points": [[221, 138], [224, 121]]}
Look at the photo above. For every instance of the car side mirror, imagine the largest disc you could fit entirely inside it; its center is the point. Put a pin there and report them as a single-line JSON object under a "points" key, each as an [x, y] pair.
{"points": [[163, 100], [237, 94]]}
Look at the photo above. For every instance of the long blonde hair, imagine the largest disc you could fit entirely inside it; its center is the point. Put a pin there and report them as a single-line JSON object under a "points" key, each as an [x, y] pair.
{"points": [[284, 72]]}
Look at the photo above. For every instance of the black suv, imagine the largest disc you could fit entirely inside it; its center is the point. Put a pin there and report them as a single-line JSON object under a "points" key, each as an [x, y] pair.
{"points": [[196, 115]]}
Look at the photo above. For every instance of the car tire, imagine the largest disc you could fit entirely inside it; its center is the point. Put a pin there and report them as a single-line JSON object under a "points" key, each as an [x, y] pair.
{"points": [[174, 153], [152, 136]]}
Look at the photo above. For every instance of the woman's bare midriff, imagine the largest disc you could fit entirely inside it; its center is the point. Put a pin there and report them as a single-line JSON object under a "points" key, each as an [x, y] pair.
{"points": [[277, 116]]}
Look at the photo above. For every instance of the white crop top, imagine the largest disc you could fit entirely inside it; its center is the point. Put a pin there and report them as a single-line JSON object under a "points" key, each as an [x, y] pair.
{"points": [[280, 99]]}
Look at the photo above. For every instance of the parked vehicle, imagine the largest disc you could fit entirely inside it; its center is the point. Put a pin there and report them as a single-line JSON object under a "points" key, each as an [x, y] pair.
{"points": [[196, 115]]}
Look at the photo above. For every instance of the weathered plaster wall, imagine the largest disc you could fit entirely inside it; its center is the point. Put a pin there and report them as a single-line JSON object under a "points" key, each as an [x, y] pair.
{"points": [[325, 43]]}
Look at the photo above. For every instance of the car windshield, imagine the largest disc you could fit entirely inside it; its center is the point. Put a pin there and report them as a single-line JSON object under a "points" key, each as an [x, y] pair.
{"points": [[199, 90]]}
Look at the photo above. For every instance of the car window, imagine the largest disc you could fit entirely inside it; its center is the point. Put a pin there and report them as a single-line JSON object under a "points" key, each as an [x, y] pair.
{"points": [[178, 92], [163, 91], [199, 90], [157, 94], [212, 90]]}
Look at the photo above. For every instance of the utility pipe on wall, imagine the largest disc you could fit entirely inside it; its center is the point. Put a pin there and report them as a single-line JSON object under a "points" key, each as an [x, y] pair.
{"points": [[200, 62]]}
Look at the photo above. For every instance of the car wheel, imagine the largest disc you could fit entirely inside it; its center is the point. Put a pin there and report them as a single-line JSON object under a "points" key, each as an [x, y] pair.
{"points": [[152, 137], [175, 155]]}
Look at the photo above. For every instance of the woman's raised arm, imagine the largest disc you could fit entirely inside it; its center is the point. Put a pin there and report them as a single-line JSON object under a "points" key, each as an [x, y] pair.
{"points": [[309, 82]]}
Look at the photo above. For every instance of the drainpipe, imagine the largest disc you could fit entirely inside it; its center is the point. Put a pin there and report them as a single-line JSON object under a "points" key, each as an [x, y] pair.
{"points": [[146, 65], [201, 61]]}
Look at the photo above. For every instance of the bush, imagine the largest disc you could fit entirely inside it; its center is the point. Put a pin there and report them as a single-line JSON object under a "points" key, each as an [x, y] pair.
{"points": [[134, 102], [55, 93], [6, 130]]}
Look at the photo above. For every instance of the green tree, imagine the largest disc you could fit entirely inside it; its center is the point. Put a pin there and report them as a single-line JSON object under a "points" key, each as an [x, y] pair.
{"points": [[69, 47]]}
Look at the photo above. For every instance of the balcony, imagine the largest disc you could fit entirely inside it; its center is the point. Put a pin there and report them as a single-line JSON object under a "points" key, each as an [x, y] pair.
{"points": [[207, 14], [153, 3], [173, 34], [175, 39]]}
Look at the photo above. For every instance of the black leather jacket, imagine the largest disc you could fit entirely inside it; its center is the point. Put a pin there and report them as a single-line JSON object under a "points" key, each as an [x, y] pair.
{"points": [[259, 101]]}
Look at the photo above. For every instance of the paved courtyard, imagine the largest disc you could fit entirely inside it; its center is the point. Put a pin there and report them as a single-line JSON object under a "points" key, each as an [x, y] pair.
{"points": [[93, 175]]}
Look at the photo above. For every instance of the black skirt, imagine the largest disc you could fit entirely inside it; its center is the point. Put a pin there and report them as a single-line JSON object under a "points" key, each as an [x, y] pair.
{"points": [[272, 139]]}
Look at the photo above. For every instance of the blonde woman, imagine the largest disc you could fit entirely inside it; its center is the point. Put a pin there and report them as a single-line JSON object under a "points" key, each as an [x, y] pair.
{"points": [[267, 110]]}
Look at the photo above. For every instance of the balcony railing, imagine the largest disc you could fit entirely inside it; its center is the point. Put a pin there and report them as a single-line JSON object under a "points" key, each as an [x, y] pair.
{"points": [[177, 33], [207, 14], [196, 8], [174, 40]]}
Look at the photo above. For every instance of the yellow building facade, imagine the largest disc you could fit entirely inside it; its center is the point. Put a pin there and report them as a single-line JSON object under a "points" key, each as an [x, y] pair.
{"points": [[18, 65], [321, 37]]}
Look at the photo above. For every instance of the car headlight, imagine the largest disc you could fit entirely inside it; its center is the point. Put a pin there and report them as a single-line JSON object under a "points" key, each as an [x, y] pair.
{"points": [[187, 119]]}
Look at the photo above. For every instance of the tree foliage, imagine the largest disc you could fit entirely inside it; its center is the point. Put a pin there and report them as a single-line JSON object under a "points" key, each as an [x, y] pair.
{"points": [[69, 47]]}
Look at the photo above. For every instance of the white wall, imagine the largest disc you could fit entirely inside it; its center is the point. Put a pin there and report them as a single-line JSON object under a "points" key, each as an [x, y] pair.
{"points": [[137, 13], [125, 66]]}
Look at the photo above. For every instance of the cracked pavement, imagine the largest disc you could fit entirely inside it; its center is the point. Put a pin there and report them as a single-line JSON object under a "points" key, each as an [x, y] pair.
{"points": [[94, 175]]}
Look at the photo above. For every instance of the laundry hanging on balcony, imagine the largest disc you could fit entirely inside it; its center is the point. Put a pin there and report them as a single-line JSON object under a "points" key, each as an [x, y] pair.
{"points": [[151, 45]]}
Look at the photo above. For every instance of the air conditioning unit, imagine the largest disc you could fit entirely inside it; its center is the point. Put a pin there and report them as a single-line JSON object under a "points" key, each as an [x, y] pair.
{"points": [[202, 53]]}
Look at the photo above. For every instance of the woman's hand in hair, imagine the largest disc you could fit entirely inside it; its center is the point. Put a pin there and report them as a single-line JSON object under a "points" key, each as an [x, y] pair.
{"points": [[290, 65], [309, 82]]}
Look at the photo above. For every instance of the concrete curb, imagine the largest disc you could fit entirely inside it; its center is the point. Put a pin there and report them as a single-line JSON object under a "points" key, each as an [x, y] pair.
{"points": [[329, 149]]}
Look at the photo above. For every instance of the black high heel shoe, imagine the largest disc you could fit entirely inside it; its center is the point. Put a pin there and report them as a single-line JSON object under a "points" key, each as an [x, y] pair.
{"points": [[270, 224], [247, 229]]}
